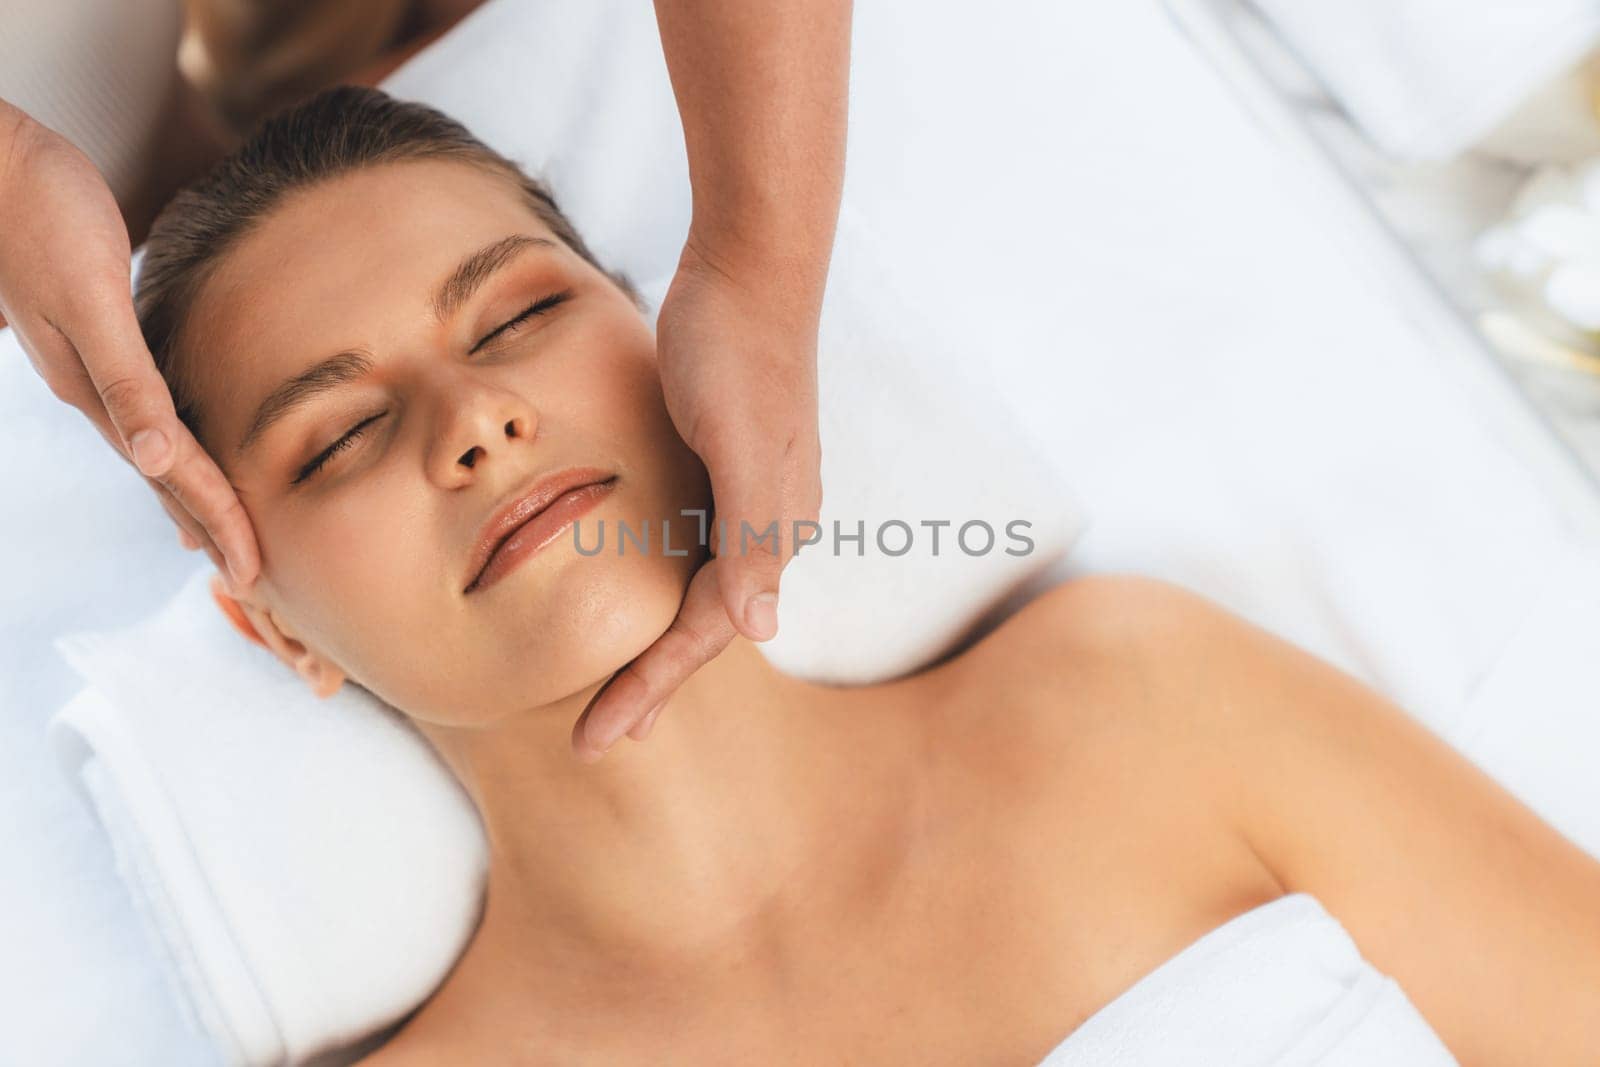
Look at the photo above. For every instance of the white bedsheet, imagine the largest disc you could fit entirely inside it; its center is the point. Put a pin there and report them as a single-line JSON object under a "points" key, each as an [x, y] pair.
{"points": [[1207, 349]]}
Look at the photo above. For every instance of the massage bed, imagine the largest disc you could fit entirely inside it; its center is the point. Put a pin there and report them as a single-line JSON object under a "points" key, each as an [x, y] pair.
{"points": [[1245, 377]]}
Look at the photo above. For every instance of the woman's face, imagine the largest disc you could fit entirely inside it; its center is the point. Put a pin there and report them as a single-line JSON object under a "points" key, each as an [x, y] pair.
{"points": [[458, 400]]}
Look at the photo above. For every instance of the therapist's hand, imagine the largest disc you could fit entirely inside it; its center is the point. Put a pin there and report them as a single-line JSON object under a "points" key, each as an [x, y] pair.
{"points": [[738, 360], [64, 288]]}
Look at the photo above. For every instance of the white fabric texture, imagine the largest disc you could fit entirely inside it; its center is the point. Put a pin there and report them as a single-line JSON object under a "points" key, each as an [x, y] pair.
{"points": [[254, 822], [1427, 78], [1281, 985], [1189, 316], [98, 72], [302, 863]]}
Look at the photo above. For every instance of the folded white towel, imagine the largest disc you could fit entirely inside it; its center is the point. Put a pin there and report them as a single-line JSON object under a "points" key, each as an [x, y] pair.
{"points": [[1428, 78], [300, 864], [1282, 984]]}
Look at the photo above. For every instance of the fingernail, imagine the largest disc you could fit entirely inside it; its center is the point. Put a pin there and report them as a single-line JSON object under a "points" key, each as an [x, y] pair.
{"points": [[601, 739], [648, 723], [150, 450], [761, 615]]}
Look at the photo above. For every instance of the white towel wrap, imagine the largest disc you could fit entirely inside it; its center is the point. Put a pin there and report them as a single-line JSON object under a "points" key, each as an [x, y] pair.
{"points": [[1281, 985]]}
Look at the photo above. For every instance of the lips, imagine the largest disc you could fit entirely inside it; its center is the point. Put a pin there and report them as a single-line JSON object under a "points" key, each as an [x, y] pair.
{"points": [[549, 501]]}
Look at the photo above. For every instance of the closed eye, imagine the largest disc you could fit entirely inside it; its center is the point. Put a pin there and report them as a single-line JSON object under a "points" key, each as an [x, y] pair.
{"points": [[322, 458], [539, 307]]}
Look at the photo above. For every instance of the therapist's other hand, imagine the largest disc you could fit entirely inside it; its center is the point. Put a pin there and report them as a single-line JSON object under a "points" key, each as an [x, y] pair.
{"points": [[738, 360], [64, 287]]}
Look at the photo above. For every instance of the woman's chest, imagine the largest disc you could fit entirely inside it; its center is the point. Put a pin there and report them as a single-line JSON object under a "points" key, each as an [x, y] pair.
{"points": [[1015, 922]]}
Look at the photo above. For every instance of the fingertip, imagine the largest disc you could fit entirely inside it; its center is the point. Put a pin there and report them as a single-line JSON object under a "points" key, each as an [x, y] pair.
{"points": [[761, 616], [751, 604], [243, 566], [601, 733], [582, 747]]}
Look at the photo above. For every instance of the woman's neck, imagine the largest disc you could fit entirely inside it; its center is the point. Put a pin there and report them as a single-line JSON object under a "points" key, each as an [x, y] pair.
{"points": [[699, 840]]}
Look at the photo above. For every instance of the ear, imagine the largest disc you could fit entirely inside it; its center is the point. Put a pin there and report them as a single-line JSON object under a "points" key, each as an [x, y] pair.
{"points": [[232, 610], [262, 626]]}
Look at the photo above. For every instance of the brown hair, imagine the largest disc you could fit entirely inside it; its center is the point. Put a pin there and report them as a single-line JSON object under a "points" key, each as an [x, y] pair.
{"points": [[335, 132]]}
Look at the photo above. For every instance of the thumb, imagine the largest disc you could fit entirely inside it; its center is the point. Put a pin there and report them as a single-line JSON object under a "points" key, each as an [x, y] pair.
{"points": [[747, 489], [139, 407], [136, 399]]}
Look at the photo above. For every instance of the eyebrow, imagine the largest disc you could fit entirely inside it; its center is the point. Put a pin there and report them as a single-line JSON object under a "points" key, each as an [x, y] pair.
{"points": [[468, 277]]}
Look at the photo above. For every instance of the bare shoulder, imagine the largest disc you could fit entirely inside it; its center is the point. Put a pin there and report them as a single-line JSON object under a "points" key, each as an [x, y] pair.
{"points": [[1099, 652], [1102, 683], [1445, 880], [1164, 705], [1077, 720], [1099, 616]]}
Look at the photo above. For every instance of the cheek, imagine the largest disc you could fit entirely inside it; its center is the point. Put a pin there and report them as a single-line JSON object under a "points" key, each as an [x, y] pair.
{"points": [[607, 374], [363, 574], [618, 398], [666, 476]]}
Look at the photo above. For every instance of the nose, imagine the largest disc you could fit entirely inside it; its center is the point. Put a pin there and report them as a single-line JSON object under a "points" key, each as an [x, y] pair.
{"points": [[481, 424]]}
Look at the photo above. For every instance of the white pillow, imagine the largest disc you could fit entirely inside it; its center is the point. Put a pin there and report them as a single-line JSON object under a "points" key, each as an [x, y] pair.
{"points": [[309, 869]]}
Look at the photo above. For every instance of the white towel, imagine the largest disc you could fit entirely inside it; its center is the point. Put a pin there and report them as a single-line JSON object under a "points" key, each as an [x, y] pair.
{"points": [[1428, 78], [254, 825], [1281, 985]]}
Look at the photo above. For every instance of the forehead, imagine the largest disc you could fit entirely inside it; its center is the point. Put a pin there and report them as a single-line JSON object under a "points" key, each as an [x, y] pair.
{"points": [[348, 263]]}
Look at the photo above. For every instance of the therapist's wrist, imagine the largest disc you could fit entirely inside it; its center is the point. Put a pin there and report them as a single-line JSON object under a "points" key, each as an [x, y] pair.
{"points": [[783, 275]]}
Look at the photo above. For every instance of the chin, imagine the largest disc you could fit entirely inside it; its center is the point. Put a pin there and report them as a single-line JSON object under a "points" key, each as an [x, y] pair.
{"points": [[616, 615], [578, 626], [554, 626]]}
